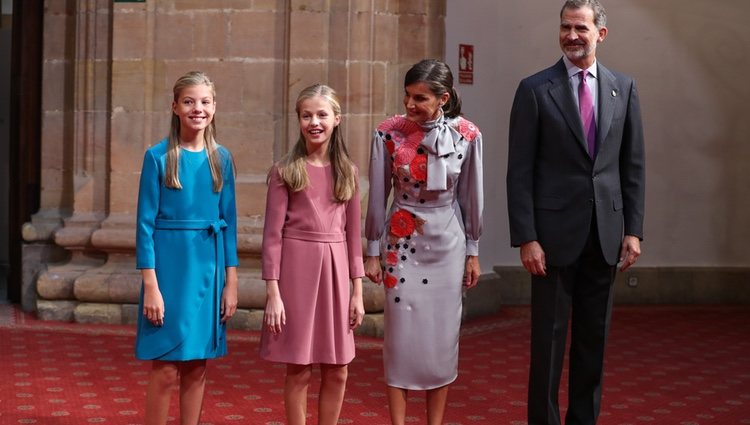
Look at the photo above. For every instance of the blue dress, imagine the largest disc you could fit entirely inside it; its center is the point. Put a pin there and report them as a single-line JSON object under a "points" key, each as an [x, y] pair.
{"points": [[188, 236]]}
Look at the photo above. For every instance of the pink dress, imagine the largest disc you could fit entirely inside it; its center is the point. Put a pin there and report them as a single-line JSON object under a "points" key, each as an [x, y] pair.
{"points": [[313, 246]]}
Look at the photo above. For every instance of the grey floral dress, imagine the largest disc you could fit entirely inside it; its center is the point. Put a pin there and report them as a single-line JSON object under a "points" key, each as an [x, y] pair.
{"points": [[433, 223]]}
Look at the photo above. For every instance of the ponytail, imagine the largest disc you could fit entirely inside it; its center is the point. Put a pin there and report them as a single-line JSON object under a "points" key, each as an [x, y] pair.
{"points": [[452, 108]]}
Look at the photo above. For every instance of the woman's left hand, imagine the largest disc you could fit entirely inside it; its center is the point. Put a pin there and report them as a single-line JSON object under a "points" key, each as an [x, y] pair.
{"points": [[229, 295], [356, 311], [472, 271]]}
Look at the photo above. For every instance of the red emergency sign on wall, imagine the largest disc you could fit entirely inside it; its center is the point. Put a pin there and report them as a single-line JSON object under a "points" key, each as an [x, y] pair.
{"points": [[466, 63]]}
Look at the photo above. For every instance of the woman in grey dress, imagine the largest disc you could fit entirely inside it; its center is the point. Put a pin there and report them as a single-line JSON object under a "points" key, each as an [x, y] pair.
{"points": [[424, 248]]}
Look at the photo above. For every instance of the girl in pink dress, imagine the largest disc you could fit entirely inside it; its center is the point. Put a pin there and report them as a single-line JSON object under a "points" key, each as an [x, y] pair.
{"points": [[312, 249]]}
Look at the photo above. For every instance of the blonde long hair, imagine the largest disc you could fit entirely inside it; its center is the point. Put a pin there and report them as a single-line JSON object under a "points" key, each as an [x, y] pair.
{"points": [[172, 178], [292, 165]]}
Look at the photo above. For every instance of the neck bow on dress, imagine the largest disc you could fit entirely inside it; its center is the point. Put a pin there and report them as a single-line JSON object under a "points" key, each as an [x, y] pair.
{"points": [[439, 140]]}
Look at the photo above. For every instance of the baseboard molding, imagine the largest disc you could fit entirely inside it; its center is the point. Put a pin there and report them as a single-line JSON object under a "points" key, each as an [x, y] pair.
{"points": [[503, 286], [648, 285], [484, 299]]}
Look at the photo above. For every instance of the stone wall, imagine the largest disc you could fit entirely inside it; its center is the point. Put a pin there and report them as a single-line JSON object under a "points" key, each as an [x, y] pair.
{"points": [[108, 73]]}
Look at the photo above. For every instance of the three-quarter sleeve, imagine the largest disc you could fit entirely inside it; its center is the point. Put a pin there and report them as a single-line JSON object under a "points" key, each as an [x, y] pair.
{"points": [[228, 211], [148, 208], [380, 189], [470, 195], [354, 233], [277, 200]]}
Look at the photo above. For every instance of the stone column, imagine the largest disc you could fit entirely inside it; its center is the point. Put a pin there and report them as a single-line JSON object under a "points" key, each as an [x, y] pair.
{"points": [[74, 146]]}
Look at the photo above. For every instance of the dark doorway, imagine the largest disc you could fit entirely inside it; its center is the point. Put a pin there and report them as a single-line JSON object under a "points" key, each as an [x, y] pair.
{"points": [[6, 19], [21, 137]]}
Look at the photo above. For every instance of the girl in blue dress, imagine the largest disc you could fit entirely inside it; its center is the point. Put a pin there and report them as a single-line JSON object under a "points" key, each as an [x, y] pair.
{"points": [[186, 249]]}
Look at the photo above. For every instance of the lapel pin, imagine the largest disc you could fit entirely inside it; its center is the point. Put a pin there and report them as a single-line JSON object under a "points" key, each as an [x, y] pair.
{"points": [[614, 93]]}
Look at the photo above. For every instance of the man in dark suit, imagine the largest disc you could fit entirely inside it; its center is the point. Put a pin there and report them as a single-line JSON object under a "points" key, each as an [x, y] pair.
{"points": [[575, 203]]}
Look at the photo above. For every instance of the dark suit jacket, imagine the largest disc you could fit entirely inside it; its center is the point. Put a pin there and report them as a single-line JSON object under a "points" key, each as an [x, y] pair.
{"points": [[554, 187]]}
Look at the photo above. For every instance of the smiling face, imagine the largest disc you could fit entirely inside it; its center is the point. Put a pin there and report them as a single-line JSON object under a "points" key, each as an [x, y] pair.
{"points": [[579, 36], [421, 103], [317, 120], [195, 107]]}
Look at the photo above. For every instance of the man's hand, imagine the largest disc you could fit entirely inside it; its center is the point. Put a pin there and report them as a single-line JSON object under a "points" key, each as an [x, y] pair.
{"points": [[532, 257], [631, 249]]}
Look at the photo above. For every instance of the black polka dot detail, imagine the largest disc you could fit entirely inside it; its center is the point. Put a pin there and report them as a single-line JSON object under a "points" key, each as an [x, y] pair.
{"points": [[387, 137], [424, 281], [460, 156], [421, 201], [402, 280], [390, 269], [413, 250], [420, 151], [397, 299], [405, 197], [403, 258]]}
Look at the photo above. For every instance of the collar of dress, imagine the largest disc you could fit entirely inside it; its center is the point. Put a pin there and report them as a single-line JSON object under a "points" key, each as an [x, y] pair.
{"points": [[440, 141]]}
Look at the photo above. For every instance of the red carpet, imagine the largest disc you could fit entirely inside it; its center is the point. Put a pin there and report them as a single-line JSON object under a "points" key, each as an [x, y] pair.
{"points": [[665, 365]]}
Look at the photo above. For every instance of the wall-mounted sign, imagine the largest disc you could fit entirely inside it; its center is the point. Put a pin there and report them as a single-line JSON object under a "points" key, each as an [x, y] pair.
{"points": [[466, 63]]}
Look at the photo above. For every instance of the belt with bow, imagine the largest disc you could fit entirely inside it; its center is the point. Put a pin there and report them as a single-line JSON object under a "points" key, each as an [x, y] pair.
{"points": [[214, 228]]}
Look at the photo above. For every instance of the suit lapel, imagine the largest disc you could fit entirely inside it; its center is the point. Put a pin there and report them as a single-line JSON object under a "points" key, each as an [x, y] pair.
{"points": [[608, 93], [562, 95]]}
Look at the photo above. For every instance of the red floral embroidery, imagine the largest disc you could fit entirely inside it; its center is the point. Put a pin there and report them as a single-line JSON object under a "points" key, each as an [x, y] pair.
{"points": [[405, 136], [391, 146], [418, 167], [390, 280], [467, 129], [402, 223], [404, 156], [391, 258]]}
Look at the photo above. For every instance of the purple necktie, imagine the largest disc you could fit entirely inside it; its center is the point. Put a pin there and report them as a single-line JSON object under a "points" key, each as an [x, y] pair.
{"points": [[586, 108]]}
